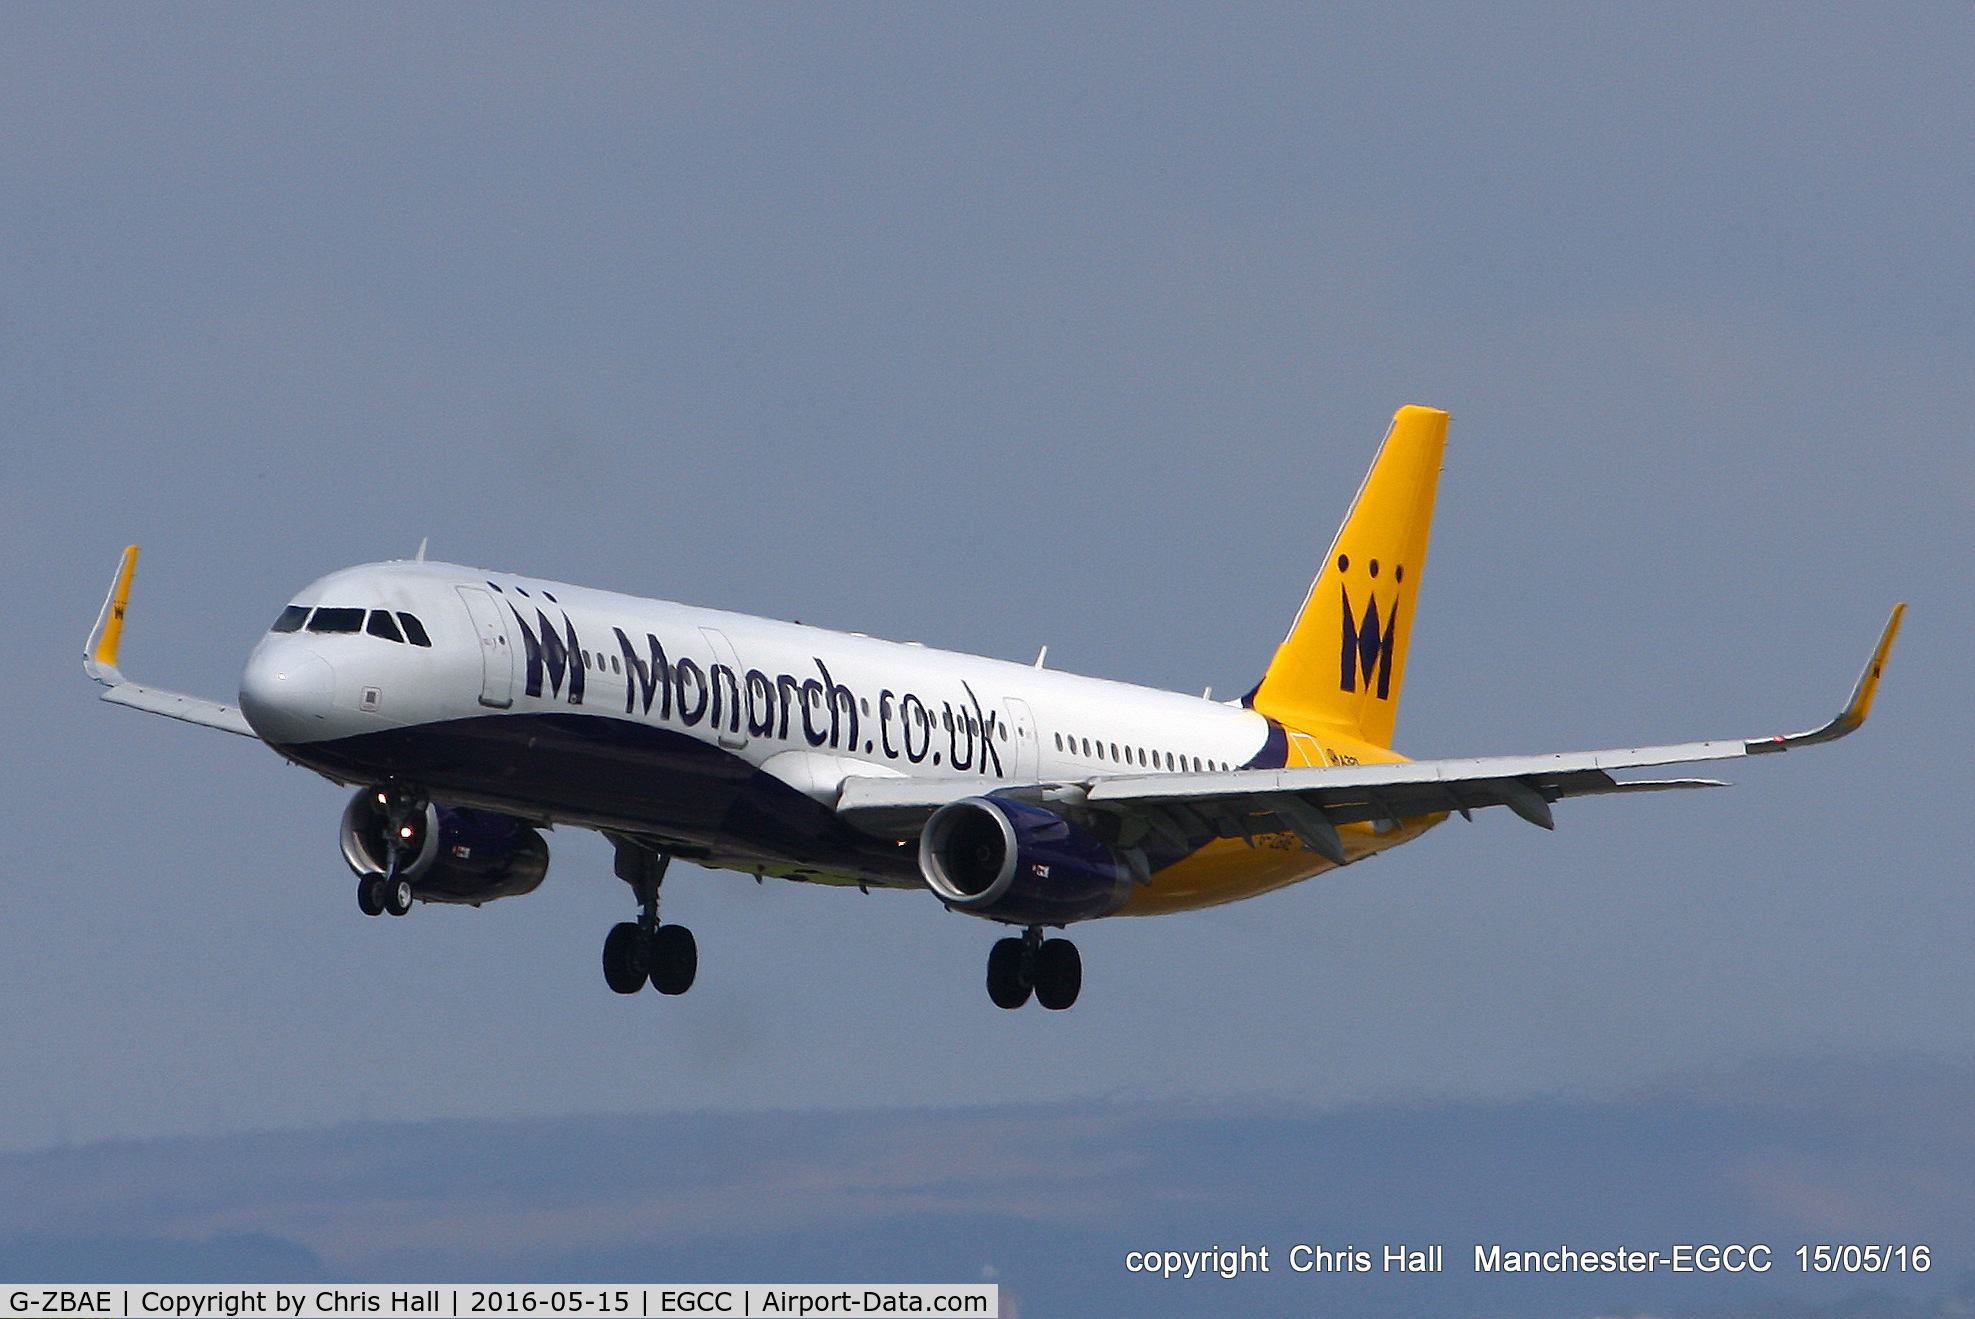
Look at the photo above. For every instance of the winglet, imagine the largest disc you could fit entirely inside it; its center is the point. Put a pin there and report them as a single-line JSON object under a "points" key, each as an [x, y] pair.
{"points": [[1856, 709], [99, 656]]}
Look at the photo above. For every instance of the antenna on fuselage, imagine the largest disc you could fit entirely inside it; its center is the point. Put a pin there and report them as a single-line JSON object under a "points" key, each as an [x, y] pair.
{"points": [[420, 556], [1042, 655]]}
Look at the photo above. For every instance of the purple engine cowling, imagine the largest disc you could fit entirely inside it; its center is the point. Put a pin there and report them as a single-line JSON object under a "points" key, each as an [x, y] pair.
{"points": [[451, 853], [1015, 862]]}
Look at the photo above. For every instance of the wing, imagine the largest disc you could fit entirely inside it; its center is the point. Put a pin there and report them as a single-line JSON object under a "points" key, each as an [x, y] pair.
{"points": [[99, 661], [1311, 803]]}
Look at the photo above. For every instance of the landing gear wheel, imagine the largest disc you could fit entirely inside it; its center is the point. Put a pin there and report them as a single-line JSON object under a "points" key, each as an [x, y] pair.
{"points": [[624, 958], [1059, 974], [370, 895], [396, 894], [674, 959], [1007, 984]]}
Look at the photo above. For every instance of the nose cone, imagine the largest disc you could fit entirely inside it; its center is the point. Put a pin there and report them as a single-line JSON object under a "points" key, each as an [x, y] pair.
{"points": [[287, 691]]}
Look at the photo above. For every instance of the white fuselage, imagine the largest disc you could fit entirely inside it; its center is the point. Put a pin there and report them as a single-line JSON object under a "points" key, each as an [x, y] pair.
{"points": [[804, 705]]}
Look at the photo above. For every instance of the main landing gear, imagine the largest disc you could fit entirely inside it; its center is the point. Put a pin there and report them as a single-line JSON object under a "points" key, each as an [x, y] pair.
{"points": [[1051, 969], [640, 950]]}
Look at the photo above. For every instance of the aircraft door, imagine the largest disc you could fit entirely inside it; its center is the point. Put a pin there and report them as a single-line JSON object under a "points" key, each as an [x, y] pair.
{"points": [[729, 683], [1026, 764], [496, 654]]}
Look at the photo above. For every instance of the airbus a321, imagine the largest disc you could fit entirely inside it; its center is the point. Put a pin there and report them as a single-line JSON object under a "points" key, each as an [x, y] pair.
{"points": [[471, 709]]}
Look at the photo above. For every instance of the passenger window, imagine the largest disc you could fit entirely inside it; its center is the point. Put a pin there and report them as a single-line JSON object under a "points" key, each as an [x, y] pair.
{"points": [[414, 630], [1141, 756], [291, 619], [586, 659], [1169, 760], [382, 626], [1086, 747], [1114, 751], [1059, 741], [613, 665], [1196, 764], [337, 620]]}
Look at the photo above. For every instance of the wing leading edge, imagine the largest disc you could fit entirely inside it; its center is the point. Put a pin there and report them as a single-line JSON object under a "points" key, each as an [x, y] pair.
{"points": [[1312, 802]]}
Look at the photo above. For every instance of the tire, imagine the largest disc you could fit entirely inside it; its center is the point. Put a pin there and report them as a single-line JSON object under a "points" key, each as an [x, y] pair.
{"points": [[396, 894], [1059, 974], [370, 895], [674, 959], [624, 958], [1006, 984]]}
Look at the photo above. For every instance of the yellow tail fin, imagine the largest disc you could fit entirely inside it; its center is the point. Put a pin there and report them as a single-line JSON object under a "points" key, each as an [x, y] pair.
{"points": [[1341, 667]]}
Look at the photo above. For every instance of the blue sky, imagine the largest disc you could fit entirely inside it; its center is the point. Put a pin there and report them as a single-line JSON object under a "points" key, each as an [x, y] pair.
{"points": [[990, 329]]}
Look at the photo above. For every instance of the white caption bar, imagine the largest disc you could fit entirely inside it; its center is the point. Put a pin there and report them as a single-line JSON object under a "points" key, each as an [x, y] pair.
{"points": [[450, 1301]]}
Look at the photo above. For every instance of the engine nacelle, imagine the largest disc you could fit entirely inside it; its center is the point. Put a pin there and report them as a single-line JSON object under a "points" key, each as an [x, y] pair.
{"points": [[1015, 862], [450, 853]]}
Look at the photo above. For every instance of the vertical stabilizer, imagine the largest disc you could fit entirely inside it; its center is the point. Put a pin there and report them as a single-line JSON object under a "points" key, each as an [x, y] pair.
{"points": [[1343, 663]]}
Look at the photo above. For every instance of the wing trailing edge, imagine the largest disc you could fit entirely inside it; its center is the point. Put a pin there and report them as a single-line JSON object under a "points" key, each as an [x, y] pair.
{"points": [[1311, 802]]}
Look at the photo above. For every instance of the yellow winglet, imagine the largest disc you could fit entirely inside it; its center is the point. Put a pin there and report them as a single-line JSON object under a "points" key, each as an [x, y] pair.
{"points": [[99, 656], [1856, 709]]}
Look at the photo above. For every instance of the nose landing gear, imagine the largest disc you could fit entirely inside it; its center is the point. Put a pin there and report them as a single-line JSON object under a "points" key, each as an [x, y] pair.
{"points": [[1051, 969], [403, 837], [641, 950], [377, 894]]}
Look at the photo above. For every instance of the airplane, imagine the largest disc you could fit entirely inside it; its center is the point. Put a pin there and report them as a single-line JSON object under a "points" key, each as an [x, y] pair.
{"points": [[471, 709]]}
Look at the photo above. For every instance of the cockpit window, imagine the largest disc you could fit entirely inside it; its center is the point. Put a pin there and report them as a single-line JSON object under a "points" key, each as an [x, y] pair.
{"points": [[291, 619], [337, 620], [381, 625], [414, 630]]}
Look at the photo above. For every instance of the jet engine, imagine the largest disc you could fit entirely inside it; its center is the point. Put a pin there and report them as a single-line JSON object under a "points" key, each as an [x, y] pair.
{"points": [[1015, 862], [449, 853]]}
